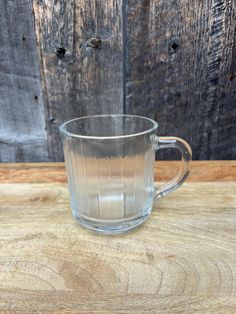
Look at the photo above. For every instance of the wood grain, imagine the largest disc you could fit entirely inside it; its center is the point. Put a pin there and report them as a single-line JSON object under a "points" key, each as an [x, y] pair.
{"points": [[79, 78], [182, 260], [79, 302], [181, 71], [201, 171], [54, 23], [173, 61], [22, 126]]}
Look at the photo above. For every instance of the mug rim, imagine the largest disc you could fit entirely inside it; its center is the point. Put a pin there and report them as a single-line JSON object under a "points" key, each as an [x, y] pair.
{"points": [[70, 134]]}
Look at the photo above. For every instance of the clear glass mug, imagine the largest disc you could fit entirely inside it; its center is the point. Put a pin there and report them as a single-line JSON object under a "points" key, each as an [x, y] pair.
{"points": [[110, 168]]}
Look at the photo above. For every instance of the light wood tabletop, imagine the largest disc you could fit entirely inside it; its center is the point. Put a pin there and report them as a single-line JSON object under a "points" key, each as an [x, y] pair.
{"points": [[181, 260]]}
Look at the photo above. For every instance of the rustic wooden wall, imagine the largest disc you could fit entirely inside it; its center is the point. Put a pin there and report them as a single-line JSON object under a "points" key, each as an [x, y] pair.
{"points": [[174, 61]]}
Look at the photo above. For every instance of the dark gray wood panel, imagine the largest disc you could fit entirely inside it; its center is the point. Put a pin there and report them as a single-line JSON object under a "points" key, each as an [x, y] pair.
{"points": [[180, 70], [80, 45], [22, 126]]}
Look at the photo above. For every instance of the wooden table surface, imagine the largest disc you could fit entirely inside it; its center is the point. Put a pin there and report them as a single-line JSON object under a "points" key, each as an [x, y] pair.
{"points": [[182, 260]]}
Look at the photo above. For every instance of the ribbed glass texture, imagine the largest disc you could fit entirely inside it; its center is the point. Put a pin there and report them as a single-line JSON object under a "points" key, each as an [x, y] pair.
{"points": [[110, 162]]}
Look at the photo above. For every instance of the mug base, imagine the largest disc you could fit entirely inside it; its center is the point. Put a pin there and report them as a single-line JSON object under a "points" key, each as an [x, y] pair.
{"points": [[112, 227]]}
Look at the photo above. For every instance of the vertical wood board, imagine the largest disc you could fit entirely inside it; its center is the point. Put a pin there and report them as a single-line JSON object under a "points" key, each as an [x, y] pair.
{"points": [[79, 79], [181, 70], [22, 126]]}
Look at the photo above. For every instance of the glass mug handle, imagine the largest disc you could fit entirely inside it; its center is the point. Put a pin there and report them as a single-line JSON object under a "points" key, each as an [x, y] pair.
{"points": [[185, 150]]}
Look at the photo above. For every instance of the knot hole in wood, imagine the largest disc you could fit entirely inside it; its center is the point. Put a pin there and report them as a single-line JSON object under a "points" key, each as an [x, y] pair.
{"points": [[95, 42], [60, 53]]}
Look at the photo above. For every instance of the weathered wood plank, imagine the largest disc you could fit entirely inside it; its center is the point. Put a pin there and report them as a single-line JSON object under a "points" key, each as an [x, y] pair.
{"points": [[81, 60], [181, 71], [54, 22], [219, 171], [22, 126]]}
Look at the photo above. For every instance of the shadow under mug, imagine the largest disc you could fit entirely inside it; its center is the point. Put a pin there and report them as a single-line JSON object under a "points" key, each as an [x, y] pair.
{"points": [[110, 169]]}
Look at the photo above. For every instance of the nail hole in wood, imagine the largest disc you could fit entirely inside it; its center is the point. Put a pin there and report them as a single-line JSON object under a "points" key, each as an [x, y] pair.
{"points": [[23, 38], [60, 53], [214, 81], [94, 43], [36, 97], [174, 46]]}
